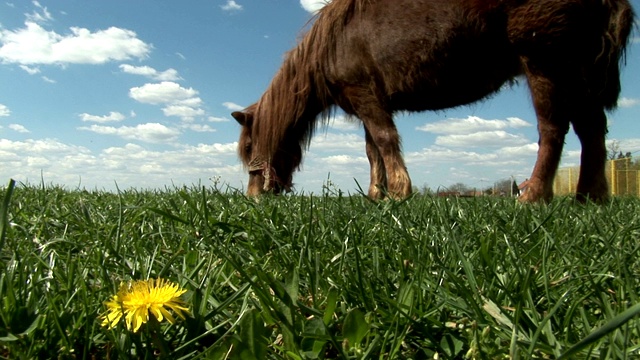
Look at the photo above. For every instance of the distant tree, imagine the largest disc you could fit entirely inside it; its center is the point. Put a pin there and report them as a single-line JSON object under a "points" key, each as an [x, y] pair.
{"points": [[426, 190], [613, 148], [502, 187], [628, 165], [459, 187], [620, 155]]}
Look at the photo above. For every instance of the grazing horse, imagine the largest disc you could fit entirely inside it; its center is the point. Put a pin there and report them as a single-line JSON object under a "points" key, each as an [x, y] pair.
{"points": [[373, 58]]}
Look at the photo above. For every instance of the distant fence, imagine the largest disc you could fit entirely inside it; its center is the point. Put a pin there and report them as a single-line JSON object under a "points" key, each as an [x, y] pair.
{"points": [[623, 176]]}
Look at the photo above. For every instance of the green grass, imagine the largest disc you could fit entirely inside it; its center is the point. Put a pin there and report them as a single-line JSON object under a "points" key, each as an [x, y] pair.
{"points": [[326, 276]]}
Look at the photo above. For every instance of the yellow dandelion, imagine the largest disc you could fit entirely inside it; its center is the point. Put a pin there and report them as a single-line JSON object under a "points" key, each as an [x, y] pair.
{"points": [[136, 300]]}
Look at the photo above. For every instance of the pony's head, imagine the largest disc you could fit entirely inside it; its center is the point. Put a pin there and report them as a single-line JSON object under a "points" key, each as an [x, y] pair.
{"points": [[277, 128], [269, 164]]}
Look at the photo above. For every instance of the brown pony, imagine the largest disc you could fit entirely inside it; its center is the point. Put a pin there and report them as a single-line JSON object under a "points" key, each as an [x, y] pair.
{"points": [[373, 58]]}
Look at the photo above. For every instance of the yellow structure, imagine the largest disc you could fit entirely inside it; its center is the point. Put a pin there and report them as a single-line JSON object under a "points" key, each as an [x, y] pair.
{"points": [[623, 176]]}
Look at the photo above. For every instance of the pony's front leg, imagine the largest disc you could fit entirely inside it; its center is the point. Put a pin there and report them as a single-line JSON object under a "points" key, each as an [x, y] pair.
{"points": [[550, 105], [378, 176], [384, 137], [383, 142]]}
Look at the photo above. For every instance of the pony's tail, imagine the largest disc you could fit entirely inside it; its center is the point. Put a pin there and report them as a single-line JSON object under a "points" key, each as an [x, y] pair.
{"points": [[618, 23]]}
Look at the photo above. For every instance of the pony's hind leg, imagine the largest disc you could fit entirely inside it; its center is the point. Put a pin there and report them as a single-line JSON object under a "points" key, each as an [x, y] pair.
{"points": [[591, 128], [378, 182], [550, 103]]}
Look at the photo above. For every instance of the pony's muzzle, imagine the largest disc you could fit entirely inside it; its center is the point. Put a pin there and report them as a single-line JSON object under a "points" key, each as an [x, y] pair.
{"points": [[256, 183], [260, 183]]}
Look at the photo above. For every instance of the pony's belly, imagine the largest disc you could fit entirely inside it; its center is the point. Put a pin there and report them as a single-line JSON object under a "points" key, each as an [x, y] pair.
{"points": [[447, 94]]}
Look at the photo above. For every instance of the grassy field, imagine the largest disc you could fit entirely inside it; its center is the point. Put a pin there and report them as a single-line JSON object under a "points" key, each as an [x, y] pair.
{"points": [[326, 276]]}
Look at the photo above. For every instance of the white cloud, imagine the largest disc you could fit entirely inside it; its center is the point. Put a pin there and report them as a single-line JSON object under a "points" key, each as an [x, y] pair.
{"points": [[505, 159], [482, 138], [431, 156], [233, 106], [231, 5], [338, 142], [626, 102], [182, 111], [632, 145], [217, 119], [37, 162], [112, 117], [44, 147], [229, 149], [186, 164], [149, 132], [313, 5], [571, 158], [30, 70], [472, 124], [39, 17], [33, 45], [193, 102], [167, 75], [19, 128], [70, 165], [179, 101], [339, 169], [528, 150], [342, 122], [345, 160], [199, 127], [4, 110], [166, 92]]}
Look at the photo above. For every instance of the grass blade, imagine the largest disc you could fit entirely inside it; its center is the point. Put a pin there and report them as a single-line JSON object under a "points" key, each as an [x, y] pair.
{"points": [[4, 213], [610, 326]]}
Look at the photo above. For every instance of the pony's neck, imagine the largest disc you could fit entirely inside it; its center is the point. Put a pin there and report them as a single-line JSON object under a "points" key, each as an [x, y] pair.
{"points": [[287, 112]]}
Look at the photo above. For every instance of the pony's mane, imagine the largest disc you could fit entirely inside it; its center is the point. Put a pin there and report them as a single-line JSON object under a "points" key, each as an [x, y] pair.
{"points": [[298, 93]]}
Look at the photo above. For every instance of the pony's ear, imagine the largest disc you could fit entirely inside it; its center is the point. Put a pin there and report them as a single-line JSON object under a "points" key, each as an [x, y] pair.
{"points": [[243, 118], [240, 117]]}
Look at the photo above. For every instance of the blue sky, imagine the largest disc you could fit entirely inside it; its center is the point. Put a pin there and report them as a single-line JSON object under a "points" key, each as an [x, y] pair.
{"points": [[139, 93]]}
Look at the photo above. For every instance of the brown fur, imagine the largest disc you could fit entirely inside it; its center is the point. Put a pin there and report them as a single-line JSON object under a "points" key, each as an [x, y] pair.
{"points": [[373, 58]]}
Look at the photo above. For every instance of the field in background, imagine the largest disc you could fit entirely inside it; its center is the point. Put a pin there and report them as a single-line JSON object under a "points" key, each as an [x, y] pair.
{"points": [[327, 276]]}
